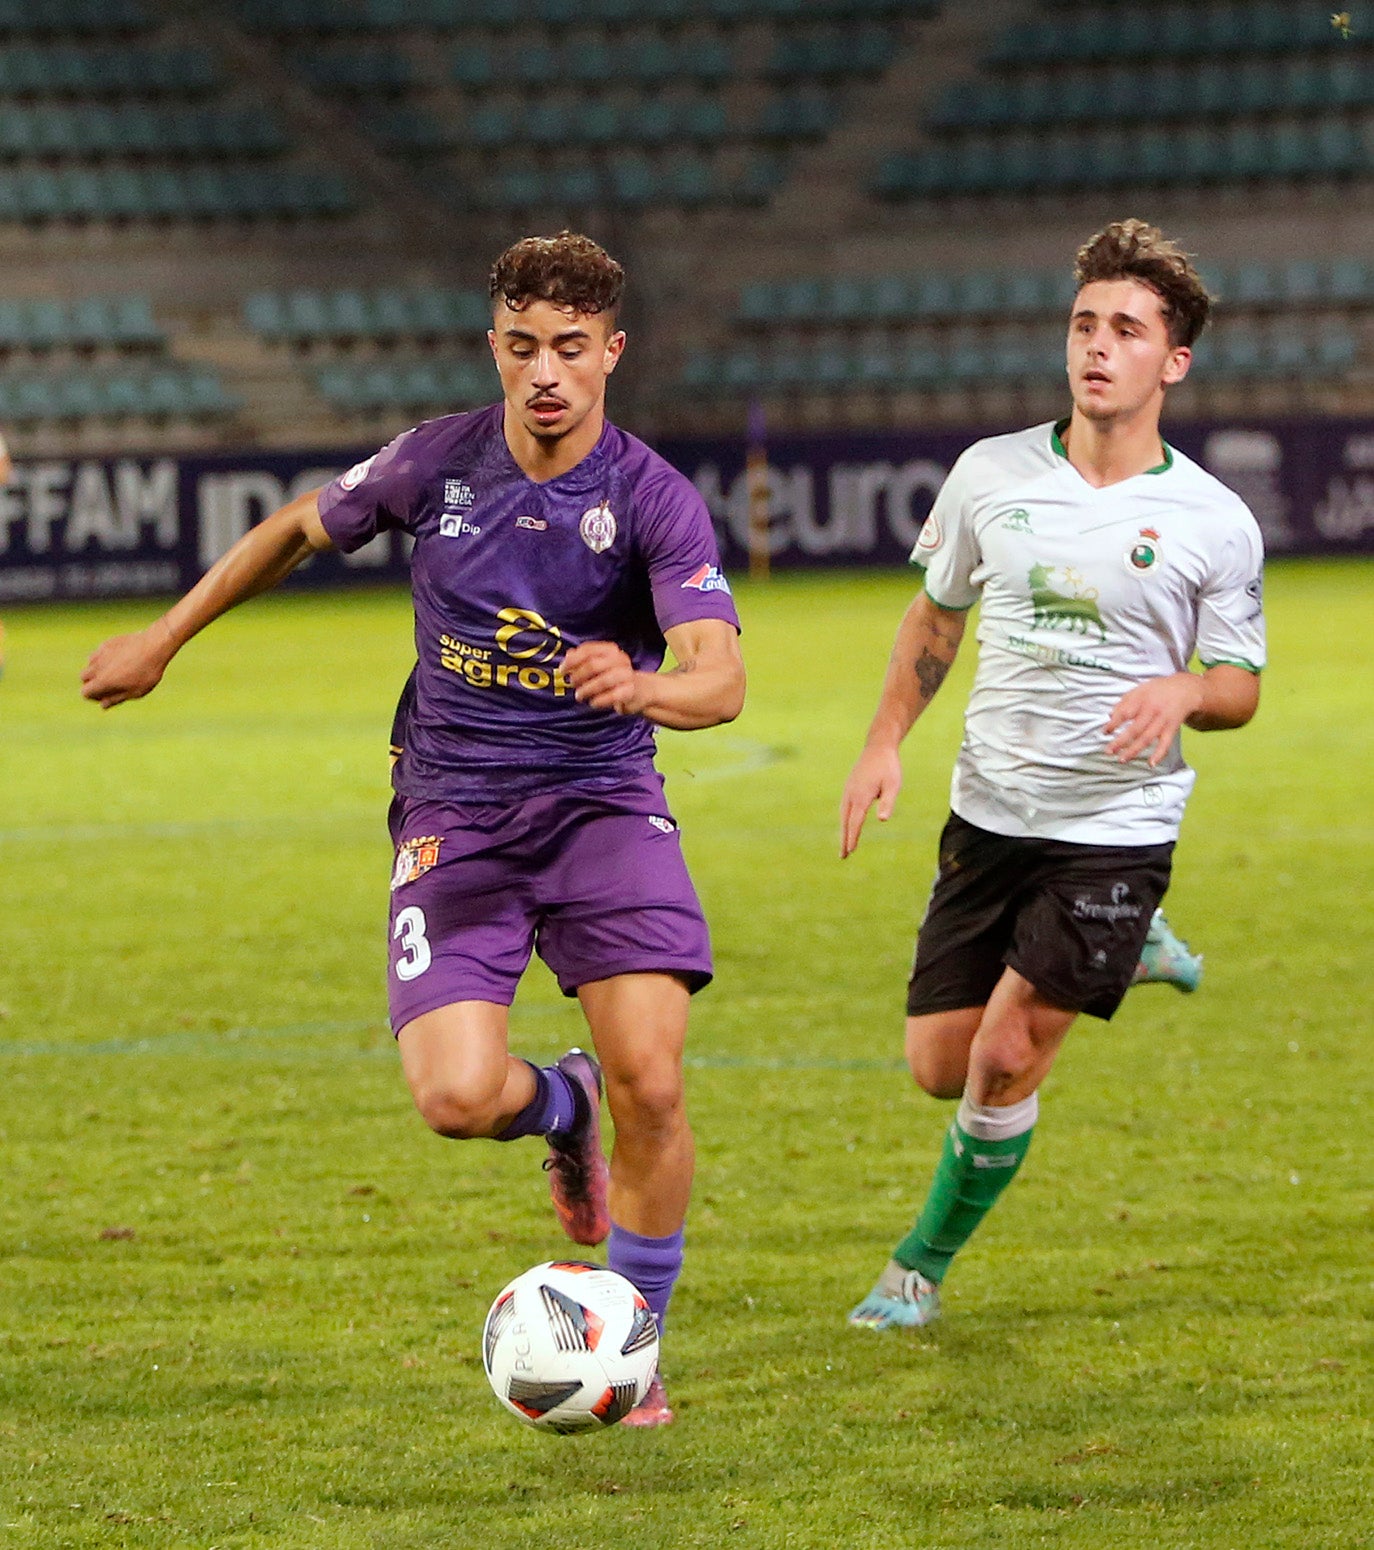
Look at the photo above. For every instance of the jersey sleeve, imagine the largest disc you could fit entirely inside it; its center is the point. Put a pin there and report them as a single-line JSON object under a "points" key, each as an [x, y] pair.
{"points": [[1230, 626], [678, 545], [947, 547], [374, 495]]}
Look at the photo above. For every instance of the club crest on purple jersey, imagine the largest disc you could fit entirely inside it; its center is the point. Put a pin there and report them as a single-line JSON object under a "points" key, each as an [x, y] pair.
{"points": [[598, 528], [414, 858], [355, 475]]}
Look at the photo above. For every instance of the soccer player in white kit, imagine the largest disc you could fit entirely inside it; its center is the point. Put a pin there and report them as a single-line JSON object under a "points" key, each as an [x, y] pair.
{"points": [[1104, 561]]}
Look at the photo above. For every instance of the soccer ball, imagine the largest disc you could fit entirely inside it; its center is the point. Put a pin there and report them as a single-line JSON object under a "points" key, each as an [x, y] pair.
{"points": [[569, 1347]]}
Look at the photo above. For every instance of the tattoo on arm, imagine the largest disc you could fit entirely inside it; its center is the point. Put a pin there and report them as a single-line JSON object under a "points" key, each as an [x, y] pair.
{"points": [[930, 673]]}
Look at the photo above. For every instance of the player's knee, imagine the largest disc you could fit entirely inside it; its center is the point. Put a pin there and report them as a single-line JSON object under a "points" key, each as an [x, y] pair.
{"points": [[936, 1076], [1000, 1065], [649, 1102], [455, 1113], [935, 1068]]}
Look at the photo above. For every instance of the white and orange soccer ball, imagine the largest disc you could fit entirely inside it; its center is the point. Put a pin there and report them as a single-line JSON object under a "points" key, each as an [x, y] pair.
{"points": [[569, 1347]]}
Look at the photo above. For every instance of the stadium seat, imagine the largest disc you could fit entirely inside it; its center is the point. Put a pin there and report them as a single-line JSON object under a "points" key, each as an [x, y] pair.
{"points": [[690, 181], [758, 178], [1335, 352], [892, 298], [632, 180], [1351, 281], [473, 66]]}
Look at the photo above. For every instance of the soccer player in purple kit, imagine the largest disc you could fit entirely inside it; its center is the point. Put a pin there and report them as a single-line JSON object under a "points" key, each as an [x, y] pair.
{"points": [[554, 557]]}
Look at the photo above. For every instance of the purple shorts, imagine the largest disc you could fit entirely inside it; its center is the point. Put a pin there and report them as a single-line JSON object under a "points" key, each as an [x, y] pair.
{"points": [[594, 881]]}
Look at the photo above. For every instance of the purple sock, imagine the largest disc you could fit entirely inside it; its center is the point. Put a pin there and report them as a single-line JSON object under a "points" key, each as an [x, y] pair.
{"points": [[652, 1264], [552, 1109]]}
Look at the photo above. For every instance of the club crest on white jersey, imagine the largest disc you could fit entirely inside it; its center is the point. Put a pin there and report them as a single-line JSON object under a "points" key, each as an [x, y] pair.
{"points": [[930, 537], [1143, 555]]}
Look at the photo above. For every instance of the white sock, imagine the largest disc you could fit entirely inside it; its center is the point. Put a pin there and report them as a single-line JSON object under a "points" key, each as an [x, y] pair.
{"points": [[985, 1123]]}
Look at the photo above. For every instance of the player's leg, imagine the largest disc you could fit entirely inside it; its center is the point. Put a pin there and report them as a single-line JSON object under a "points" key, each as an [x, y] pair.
{"points": [[464, 1082], [462, 929], [1010, 1052], [639, 1026], [937, 1049], [965, 932], [1166, 960], [625, 932]]}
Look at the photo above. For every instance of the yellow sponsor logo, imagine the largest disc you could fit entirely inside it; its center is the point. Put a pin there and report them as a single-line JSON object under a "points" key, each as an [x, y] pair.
{"points": [[524, 641]]}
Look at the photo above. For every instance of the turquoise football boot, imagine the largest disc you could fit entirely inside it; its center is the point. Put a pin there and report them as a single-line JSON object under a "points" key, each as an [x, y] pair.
{"points": [[902, 1299], [1165, 959]]}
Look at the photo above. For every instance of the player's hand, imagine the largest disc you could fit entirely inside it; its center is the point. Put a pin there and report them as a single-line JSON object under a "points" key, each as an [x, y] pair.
{"points": [[127, 667], [877, 777], [1146, 719], [604, 678]]}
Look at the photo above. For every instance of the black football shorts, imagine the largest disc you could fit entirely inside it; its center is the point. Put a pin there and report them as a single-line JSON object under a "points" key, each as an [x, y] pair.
{"points": [[1071, 918]]}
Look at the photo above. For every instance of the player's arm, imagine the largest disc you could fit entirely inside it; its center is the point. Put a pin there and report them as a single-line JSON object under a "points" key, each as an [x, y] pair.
{"points": [[129, 666], [704, 689], [6, 464], [1146, 719], [926, 646]]}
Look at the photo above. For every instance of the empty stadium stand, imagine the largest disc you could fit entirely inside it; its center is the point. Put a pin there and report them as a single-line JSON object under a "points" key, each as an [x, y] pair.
{"points": [[271, 219]]}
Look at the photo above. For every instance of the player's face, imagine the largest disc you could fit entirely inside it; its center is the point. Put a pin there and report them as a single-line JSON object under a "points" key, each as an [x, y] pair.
{"points": [[1119, 353], [553, 364]]}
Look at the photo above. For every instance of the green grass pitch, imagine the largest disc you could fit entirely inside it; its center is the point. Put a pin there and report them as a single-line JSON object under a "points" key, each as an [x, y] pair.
{"points": [[243, 1286]]}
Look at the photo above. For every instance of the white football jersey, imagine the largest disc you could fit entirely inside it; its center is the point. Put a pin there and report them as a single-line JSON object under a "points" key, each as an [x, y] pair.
{"points": [[1085, 593]]}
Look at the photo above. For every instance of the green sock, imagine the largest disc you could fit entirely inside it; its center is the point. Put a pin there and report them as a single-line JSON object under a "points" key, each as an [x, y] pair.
{"points": [[972, 1172]]}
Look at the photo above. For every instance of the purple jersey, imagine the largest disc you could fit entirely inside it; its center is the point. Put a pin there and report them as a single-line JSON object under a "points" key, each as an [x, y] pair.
{"points": [[508, 574]]}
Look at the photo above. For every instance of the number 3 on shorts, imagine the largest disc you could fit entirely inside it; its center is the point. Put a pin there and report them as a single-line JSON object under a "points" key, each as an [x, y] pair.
{"points": [[409, 930]]}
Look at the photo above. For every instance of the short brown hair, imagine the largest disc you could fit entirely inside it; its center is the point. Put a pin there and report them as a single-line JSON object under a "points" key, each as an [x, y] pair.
{"points": [[568, 270], [1135, 250]]}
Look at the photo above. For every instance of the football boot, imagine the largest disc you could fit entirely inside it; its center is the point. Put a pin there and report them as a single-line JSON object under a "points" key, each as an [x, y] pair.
{"points": [[1165, 959], [902, 1299], [578, 1174], [653, 1409]]}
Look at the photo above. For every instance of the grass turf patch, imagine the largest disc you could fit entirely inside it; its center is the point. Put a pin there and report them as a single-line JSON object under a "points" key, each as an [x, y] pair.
{"points": [[244, 1286]]}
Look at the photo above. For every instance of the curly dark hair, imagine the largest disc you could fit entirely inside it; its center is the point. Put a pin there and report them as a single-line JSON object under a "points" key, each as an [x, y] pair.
{"points": [[1135, 250], [569, 270]]}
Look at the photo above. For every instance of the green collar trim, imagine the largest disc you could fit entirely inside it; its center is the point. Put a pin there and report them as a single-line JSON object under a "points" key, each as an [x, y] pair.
{"points": [[1057, 443]]}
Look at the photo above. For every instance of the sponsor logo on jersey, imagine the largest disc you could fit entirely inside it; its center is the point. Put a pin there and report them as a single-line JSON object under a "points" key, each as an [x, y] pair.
{"points": [[598, 528], [1055, 656], [707, 579], [414, 858], [355, 475], [532, 524], [1074, 610], [524, 655], [1017, 520], [930, 536], [1143, 555], [458, 494], [452, 525], [663, 825]]}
